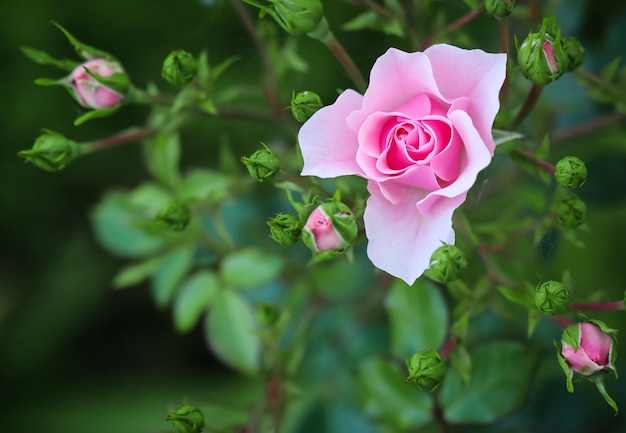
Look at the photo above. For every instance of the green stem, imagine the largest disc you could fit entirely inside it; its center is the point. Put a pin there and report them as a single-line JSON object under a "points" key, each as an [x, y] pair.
{"points": [[324, 35], [529, 103]]}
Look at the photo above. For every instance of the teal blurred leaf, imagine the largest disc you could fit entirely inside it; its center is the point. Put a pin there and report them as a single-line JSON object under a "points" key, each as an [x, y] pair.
{"points": [[194, 296], [172, 270], [388, 398], [500, 380], [250, 267], [231, 332], [418, 316], [203, 186], [136, 273], [116, 221]]}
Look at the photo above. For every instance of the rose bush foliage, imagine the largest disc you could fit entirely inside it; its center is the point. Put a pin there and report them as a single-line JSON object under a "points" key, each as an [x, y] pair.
{"points": [[420, 135]]}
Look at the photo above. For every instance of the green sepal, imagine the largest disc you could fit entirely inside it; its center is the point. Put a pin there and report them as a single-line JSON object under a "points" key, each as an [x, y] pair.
{"points": [[50, 82], [44, 58], [569, 374], [118, 82], [84, 51], [598, 380], [571, 336], [94, 114]]}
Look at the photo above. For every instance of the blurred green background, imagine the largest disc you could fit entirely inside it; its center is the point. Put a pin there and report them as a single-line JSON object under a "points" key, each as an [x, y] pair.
{"points": [[77, 356]]}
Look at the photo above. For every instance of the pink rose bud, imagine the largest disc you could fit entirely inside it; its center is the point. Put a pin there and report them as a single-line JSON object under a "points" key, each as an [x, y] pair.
{"points": [[548, 51], [90, 92], [329, 230], [323, 234], [587, 349]]}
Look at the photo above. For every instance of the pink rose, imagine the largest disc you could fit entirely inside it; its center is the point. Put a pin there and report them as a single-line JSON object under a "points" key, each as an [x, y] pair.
{"points": [[593, 349], [89, 92], [420, 134], [323, 234]]}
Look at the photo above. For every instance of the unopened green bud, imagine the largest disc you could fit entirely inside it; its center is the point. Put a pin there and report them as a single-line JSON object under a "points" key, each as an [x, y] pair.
{"points": [[187, 419], [298, 16], [262, 164], [175, 216], [51, 151], [575, 52], [570, 172], [426, 369], [330, 229], [447, 264], [304, 105], [542, 56], [551, 297], [179, 68], [499, 8], [267, 314], [285, 229], [570, 211]]}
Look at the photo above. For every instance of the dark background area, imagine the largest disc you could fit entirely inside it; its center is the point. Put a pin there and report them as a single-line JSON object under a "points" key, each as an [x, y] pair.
{"points": [[77, 356]]}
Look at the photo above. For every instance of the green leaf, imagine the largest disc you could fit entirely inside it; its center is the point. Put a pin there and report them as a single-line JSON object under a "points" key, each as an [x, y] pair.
{"points": [[418, 316], [543, 149], [388, 398], [44, 59], [173, 269], [462, 363], [118, 82], [499, 384], [231, 332], [250, 267], [116, 223], [374, 21], [162, 154], [195, 295], [94, 114], [136, 273]]}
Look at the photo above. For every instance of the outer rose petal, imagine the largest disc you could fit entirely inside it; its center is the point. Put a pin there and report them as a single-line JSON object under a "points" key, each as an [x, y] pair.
{"points": [[401, 239], [579, 361], [328, 145], [596, 344], [472, 73]]}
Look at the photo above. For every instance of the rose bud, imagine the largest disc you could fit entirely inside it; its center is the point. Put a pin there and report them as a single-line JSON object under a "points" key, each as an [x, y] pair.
{"points": [[447, 263], [587, 349], [551, 297], [51, 151], [575, 52], [329, 228], [304, 105], [499, 8], [298, 16], [175, 216], [187, 419], [285, 229], [570, 172], [570, 211], [88, 83], [262, 164], [266, 314], [426, 369], [179, 68], [542, 57]]}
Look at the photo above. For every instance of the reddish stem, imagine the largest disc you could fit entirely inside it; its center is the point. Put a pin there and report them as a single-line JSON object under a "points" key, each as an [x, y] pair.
{"points": [[545, 166], [529, 103], [598, 306], [447, 348], [116, 140]]}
